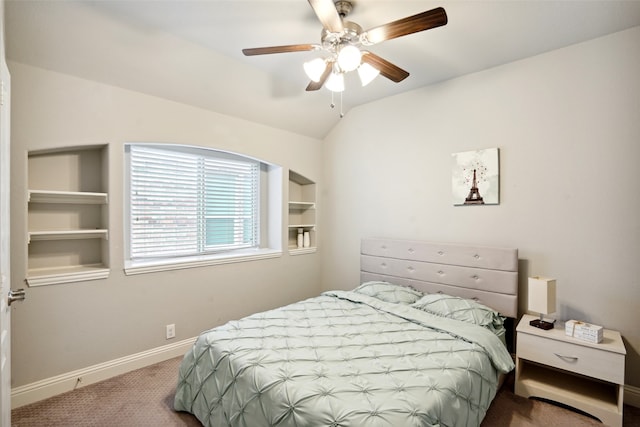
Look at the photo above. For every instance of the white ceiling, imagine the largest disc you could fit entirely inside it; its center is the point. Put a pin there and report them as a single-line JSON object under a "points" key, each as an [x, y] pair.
{"points": [[190, 51]]}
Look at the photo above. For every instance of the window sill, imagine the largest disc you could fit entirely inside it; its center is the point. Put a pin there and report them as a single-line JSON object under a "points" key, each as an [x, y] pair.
{"points": [[141, 267]]}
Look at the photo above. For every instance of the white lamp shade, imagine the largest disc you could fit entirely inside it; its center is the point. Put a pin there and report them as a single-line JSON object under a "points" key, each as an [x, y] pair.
{"points": [[542, 295], [335, 82], [314, 69], [367, 73], [349, 58]]}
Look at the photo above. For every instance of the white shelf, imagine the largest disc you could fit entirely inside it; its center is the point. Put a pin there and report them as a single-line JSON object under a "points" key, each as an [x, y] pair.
{"points": [[70, 197], [573, 390], [301, 225], [68, 235], [301, 251], [67, 274], [301, 205]]}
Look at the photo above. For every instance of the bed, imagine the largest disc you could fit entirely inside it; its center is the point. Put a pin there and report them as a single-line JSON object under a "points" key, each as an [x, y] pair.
{"points": [[419, 342]]}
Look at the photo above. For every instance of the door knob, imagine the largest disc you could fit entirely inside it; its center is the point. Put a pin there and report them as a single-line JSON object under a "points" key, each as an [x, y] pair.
{"points": [[17, 295]]}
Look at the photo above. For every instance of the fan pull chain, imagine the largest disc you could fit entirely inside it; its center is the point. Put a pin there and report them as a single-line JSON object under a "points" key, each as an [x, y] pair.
{"points": [[333, 104]]}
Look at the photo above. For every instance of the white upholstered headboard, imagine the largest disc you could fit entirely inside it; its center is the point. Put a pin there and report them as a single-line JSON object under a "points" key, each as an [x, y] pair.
{"points": [[487, 274]]}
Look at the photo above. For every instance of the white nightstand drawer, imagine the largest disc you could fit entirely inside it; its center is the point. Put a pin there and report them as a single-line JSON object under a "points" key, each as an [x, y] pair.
{"points": [[576, 358]]}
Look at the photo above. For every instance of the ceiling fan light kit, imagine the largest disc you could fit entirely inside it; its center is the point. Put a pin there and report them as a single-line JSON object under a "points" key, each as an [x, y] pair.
{"points": [[335, 82], [342, 42], [367, 73], [315, 68], [349, 58]]}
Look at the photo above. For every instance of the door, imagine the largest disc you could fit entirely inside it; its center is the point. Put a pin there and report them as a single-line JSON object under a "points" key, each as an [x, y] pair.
{"points": [[5, 282]]}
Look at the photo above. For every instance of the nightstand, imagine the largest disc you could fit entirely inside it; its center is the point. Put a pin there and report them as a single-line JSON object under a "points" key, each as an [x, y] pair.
{"points": [[585, 376]]}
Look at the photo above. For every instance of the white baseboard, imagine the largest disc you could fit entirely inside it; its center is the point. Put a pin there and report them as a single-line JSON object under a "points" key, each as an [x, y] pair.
{"points": [[53, 386], [632, 396]]}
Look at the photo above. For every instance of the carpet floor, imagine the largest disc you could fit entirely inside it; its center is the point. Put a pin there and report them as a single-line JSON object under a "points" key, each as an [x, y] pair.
{"points": [[145, 398]]}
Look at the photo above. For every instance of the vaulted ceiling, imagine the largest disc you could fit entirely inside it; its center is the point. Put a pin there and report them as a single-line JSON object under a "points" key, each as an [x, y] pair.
{"points": [[190, 51]]}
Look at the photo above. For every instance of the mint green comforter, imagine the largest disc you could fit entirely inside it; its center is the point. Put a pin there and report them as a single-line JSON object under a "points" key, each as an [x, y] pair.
{"points": [[342, 359]]}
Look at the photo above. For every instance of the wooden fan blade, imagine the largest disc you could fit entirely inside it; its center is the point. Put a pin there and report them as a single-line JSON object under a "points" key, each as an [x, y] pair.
{"points": [[409, 25], [279, 49], [328, 15], [323, 78], [387, 69]]}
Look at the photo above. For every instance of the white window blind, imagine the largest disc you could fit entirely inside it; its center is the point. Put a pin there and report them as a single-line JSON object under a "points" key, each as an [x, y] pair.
{"points": [[188, 202]]}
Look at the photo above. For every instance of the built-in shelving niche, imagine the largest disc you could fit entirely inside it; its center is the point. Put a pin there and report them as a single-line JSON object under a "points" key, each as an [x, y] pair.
{"points": [[68, 233], [302, 212]]}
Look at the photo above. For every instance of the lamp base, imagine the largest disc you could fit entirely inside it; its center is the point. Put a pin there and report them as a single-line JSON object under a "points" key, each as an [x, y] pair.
{"points": [[542, 324]]}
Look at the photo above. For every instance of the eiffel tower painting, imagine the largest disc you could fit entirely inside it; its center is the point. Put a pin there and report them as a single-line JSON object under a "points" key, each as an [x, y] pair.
{"points": [[474, 197], [475, 177]]}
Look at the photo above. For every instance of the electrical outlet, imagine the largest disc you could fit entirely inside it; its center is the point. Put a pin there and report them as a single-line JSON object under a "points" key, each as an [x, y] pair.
{"points": [[171, 331]]}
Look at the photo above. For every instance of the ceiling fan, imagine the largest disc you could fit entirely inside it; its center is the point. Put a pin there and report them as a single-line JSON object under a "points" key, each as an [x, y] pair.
{"points": [[345, 43]]}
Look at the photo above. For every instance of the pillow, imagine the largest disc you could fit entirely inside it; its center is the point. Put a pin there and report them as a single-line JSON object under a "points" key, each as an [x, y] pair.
{"points": [[389, 292], [463, 309]]}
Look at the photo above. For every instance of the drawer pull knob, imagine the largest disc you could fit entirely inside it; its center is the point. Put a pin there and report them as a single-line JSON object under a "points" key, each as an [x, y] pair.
{"points": [[567, 358]]}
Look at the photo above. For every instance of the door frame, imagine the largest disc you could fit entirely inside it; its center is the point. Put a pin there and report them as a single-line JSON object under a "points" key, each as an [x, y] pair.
{"points": [[5, 226]]}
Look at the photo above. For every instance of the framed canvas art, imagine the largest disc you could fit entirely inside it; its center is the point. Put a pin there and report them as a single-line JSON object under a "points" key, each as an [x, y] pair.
{"points": [[475, 177]]}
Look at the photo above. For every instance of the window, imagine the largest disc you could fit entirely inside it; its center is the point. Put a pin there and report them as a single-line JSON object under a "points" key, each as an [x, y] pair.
{"points": [[186, 202]]}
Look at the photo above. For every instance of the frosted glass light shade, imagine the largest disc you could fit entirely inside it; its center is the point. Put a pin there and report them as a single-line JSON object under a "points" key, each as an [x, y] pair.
{"points": [[314, 69], [335, 82], [367, 73], [542, 295], [349, 58]]}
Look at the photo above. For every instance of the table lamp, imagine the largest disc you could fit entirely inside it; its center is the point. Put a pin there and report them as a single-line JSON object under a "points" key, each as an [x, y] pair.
{"points": [[542, 300]]}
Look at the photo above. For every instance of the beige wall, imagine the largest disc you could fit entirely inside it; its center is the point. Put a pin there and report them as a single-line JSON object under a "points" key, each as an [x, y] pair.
{"points": [[60, 328], [567, 124]]}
